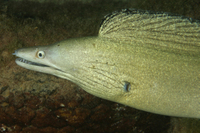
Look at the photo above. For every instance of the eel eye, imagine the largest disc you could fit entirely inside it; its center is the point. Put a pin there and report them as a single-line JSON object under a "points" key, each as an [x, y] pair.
{"points": [[41, 54]]}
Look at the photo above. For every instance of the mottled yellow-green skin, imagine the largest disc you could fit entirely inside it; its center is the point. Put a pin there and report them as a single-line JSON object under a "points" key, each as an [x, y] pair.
{"points": [[161, 82], [146, 61]]}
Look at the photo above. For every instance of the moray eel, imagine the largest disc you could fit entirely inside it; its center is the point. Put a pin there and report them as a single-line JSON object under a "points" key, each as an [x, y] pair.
{"points": [[146, 60]]}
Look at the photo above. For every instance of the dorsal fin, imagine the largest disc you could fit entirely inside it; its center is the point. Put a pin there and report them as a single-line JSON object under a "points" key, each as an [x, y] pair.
{"points": [[159, 30]]}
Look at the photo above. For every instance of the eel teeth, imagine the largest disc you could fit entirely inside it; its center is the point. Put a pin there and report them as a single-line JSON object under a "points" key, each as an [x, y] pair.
{"points": [[24, 61], [31, 63]]}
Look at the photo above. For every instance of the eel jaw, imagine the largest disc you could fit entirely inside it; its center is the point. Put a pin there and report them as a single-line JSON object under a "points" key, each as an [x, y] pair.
{"points": [[29, 62], [36, 66]]}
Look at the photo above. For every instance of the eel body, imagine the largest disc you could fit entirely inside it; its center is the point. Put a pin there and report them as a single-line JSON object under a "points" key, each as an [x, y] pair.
{"points": [[145, 60]]}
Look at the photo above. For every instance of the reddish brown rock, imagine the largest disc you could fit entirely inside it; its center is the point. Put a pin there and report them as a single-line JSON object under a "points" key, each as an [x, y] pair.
{"points": [[49, 130], [45, 117], [5, 118], [91, 128], [32, 101], [63, 113], [13, 129], [73, 117], [79, 117], [22, 116], [53, 102], [31, 129], [101, 112], [73, 104], [3, 128], [2, 99], [90, 101], [40, 120], [16, 128], [11, 111], [18, 101], [66, 129], [10, 98], [56, 122], [122, 125]]}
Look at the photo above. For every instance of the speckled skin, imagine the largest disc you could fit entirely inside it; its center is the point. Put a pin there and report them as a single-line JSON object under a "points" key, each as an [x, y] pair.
{"points": [[162, 80]]}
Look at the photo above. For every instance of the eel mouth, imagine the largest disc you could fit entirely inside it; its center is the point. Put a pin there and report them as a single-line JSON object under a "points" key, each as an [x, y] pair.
{"points": [[30, 63], [26, 62]]}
